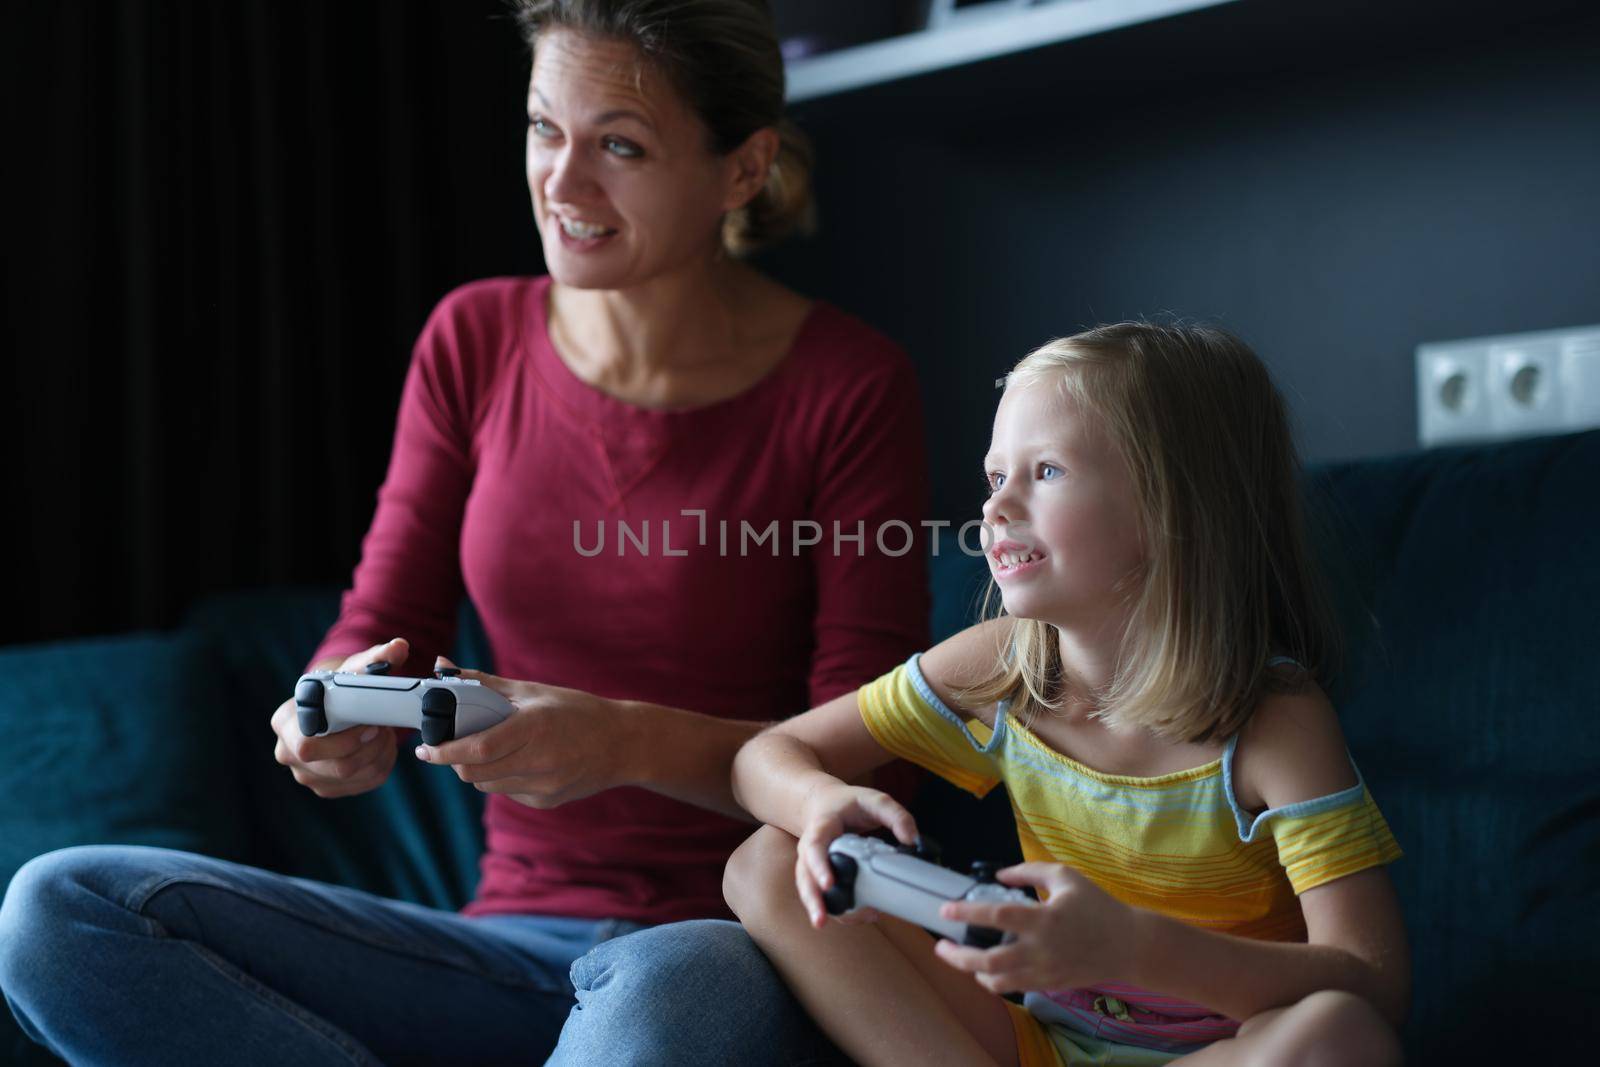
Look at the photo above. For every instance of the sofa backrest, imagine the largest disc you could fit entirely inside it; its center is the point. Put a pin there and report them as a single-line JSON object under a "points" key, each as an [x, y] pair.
{"points": [[1472, 705]]}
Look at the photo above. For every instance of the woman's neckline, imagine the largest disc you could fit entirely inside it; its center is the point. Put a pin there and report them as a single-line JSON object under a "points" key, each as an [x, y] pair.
{"points": [[579, 390]]}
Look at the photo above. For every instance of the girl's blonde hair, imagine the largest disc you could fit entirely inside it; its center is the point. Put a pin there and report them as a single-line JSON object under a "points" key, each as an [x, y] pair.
{"points": [[1229, 581]]}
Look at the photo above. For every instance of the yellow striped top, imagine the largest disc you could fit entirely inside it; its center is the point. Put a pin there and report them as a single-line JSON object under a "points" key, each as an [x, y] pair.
{"points": [[1178, 844]]}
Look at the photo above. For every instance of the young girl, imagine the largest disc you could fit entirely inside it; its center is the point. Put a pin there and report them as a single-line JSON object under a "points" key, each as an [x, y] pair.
{"points": [[1210, 864]]}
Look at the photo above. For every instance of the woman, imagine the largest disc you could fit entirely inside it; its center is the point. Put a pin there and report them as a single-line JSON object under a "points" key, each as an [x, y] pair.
{"points": [[741, 446]]}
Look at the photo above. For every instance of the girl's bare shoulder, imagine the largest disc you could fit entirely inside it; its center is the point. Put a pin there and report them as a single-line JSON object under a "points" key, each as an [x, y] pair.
{"points": [[967, 660], [1291, 749]]}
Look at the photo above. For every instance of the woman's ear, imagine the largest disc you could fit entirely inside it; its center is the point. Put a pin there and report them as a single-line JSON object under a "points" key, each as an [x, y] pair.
{"points": [[750, 164]]}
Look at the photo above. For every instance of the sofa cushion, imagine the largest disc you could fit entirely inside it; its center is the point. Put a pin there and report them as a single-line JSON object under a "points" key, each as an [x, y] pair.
{"points": [[1472, 704], [116, 740], [418, 837]]}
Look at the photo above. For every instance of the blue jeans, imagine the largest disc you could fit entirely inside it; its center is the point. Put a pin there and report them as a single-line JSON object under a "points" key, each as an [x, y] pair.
{"points": [[131, 955], [689, 993]]}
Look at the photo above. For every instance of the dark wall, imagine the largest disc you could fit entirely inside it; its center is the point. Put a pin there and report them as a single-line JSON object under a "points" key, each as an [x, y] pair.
{"points": [[1336, 191], [230, 221]]}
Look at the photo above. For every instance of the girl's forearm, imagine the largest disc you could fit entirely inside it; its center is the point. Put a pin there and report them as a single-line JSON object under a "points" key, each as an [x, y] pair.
{"points": [[772, 776], [1241, 977]]}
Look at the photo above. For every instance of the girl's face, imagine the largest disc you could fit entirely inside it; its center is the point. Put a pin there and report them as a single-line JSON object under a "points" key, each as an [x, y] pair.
{"points": [[1062, 515], [624, 182]]}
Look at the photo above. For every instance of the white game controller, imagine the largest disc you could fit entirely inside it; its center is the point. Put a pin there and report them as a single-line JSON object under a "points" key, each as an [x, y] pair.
{"points": [[443, 707], [868, 873]]}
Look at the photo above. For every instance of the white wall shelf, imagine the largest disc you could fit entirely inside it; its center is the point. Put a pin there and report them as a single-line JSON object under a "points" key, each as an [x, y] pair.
{"points": [[973, 34]]}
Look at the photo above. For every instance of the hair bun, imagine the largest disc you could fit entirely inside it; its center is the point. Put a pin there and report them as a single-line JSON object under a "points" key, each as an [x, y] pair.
{"points": [[784, 205]]}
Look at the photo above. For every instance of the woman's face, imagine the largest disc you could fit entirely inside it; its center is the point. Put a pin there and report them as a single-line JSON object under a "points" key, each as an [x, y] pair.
{"points": [[624, 181]]}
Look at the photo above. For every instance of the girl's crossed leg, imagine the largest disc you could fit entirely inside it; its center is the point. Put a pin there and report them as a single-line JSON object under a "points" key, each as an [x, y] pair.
{"points": [[876, 988], [1329, 1028], [884, 997]]}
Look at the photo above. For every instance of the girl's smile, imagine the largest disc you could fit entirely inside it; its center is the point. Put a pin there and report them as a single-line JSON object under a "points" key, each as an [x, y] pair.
{"points": [[1009, 559]]}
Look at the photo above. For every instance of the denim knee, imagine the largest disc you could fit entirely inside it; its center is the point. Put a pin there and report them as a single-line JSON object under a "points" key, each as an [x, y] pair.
{"points": [[686, 993], [704, 957], [60, 897], [33, 915]]}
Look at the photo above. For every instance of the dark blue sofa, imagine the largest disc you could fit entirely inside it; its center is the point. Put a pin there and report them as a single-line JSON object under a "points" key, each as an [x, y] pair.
{"points": [[1469, 581]]}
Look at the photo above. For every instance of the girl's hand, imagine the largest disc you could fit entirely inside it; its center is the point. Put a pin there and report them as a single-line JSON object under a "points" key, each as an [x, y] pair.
{"points": [[1078, 937], [831, 810], [558, 745]]}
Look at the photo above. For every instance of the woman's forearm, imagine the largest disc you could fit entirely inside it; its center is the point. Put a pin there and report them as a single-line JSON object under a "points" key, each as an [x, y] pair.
{"points": [[772, 776], [683, 754], [1241, 977]]}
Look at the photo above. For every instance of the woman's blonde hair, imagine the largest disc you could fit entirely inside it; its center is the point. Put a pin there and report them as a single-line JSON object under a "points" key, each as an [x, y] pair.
{"points": [[1229, 581], [723, 58]]}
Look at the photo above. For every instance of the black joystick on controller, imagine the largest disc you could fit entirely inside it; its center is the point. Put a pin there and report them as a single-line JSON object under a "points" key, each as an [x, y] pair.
{"points": [[308, 707], [438, 716], [841, 895], [924, 848]]}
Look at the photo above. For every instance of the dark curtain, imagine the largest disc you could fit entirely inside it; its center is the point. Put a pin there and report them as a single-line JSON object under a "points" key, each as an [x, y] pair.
{"points": [[227, 223]]}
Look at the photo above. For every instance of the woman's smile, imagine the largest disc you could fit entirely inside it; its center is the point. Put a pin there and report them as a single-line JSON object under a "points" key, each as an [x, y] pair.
{"points": [[579, 235]]}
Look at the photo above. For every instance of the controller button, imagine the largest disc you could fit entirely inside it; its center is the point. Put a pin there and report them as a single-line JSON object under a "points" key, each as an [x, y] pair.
{"points": [[437, 729], [308, 697], [983, 871], [841, 896], [924, 848], [438, 704], [378, 666], [447, 672], [982, 937]]}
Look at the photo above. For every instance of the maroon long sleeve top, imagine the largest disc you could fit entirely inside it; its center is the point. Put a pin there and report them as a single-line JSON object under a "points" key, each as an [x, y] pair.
{"points": [[508, 469]]}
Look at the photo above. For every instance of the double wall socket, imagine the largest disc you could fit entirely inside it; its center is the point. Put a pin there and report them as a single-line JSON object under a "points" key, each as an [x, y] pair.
{"points": [[1516, 385]]}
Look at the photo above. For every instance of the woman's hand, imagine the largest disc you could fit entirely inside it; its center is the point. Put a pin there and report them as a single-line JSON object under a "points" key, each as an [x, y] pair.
{"points": [[558, 745], [1078, 937], [830, 810], [351, 761]]}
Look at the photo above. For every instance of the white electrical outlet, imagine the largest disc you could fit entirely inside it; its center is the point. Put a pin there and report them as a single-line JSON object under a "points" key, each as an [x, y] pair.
{"points": [[1512, 386], [1525, 388], [1452, 391], [1580, 379]]}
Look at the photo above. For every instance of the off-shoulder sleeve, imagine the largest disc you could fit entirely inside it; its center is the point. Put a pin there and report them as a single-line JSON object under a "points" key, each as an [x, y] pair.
{"points": [[1319, 846], [1325, 838], [906, 717]]}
